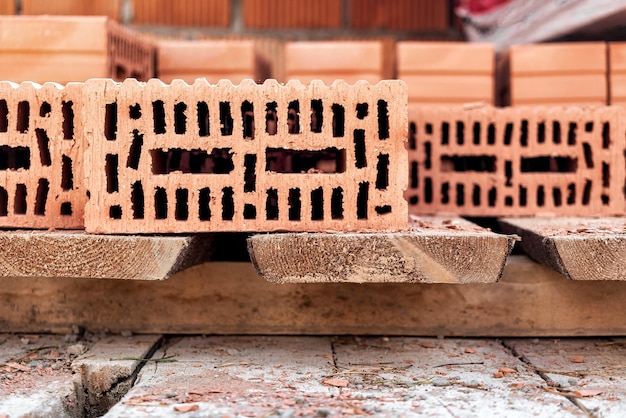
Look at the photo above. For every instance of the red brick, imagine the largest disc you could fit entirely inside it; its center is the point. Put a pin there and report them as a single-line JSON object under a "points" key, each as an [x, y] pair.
{"points": [[404, 15], [243, 161], [567, 73], [215, 13], [584, 165], [617, 73], [7, 7], [447, 73], [130, 55], [41, 146], [109, 8], [334, 60], [289, 14]]}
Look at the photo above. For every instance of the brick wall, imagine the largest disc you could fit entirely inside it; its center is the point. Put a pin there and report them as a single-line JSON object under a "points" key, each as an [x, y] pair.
{"points": [[248, 158]]}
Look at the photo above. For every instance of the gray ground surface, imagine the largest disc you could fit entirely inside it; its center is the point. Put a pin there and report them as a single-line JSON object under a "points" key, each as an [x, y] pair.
{"points": [[85, 375]]}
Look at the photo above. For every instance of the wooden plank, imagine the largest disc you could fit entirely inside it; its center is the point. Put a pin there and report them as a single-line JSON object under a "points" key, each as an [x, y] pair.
{"points": [[230, 298], [579, 248], [81, 255], [433, 250]]}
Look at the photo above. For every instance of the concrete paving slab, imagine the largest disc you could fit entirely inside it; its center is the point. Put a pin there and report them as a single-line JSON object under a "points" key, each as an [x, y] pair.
{"points": [[592, 372]]}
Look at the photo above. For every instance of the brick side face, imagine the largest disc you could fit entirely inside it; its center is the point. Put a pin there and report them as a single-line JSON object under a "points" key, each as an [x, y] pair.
{"points": [[109, 8], [288, 14], [180, 158], [409, 15], [516, 161], [41, 147], [215, 13], [7, 7]]}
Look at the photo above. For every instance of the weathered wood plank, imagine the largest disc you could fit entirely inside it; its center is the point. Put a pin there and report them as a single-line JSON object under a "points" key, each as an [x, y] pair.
{"points": [[230, 298], [579, 248], [432, 250], [80, 255]]}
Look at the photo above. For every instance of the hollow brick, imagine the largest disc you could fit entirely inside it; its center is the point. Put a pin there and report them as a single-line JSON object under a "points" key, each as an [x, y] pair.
{"points": [[522, 161], [203, 157], [41, 145], [214, 13], [288, 14], [408, 15], [109, 8], [129, 54], [7, 7]]}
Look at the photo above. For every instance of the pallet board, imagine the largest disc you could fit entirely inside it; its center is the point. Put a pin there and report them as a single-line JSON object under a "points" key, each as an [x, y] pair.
{"points": [[432, 250], [579, 248]]}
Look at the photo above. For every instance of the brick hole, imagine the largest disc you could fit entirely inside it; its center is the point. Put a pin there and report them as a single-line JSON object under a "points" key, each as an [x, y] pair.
{"points": [[508, 201], [4, 116], [548, 164], [293, 117], [135, 151], [120, 72], [134, 111], [137, 200], [249, 175], [203, 119], [204, 201], [295, 206], [66, 209], [589, 126], [523, 196], [4, 202], [556, 196], [14, 158], [317, 204], [382, 210], [329, 161], [195, 161], [508, 133], [110, 121], [115, 212], [317, 116], [362, 198], [339, 120], [336, 203], [556, 132], [477, 163], [541, 132], [412, 136], [476, 195], [428, 158], [181, 212], [67, 111], [460, 132], [228, 204], [492, 196], [45, 109], [571, 134], [158, 117], [605, 199], [413, 200], [508, 172], [382, 172], [428, 190], [606, 175], [362, 110], [588, 153], [67, 173], [43, 143], [247, 119], [541, 196], [523, 138], [428, 128], [19, 202], [359, 148], [110, 170], [43, 187], [383, 120], [249, 211], [491, 134], [180, 118], [23, 116], [271, 205], [460, 194], [414, 174], [445, 193], [445, 133], [587, 193], [571, 194], [271, 118], [160, 203], [476, 133], [226, 119], [606, 134]]}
